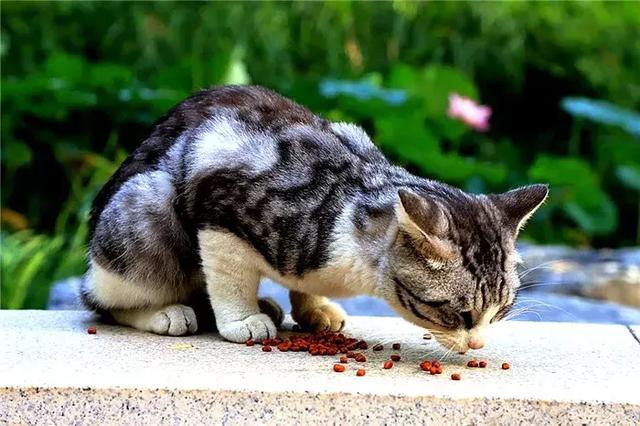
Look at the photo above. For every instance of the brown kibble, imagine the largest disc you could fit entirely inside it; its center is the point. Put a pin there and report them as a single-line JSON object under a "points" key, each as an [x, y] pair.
{"points": [[360, 372], [92, 330], [433, 370], [378, 348], [425, 365], [395, 357], [363, 345], [284, 347], [505, 366], [472, 363], [360, 358], [436, 364], [387, 365], [338, 368], [455, 376], [249, 342], [351, 355], [266, 349], [344, 359], [396, 346], [482, 364]]}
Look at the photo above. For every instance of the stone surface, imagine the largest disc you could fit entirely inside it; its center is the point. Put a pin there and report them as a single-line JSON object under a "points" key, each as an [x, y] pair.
{"points": [[605, 274], [52, 371]]}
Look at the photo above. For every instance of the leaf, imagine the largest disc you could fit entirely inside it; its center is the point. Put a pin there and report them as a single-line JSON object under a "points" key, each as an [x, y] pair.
{"points": [[629, 176], [598, 221], [574, 176], [237, 70], [409, 140], [437, 82], [66, 67], [576, 189], [603, 112], [15, 154]]}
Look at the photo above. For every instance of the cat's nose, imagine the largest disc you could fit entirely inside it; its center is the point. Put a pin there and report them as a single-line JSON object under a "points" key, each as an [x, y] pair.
{"points": [[476, 344]]}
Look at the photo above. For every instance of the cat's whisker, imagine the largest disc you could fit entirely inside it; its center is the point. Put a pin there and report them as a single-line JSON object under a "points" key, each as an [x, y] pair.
{"points": [[548, 305], [544, 265], [520, 312], [443, 357]]}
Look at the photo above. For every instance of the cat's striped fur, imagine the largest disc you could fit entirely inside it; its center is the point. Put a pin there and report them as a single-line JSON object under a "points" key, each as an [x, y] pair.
{"points": [[239, 183]]}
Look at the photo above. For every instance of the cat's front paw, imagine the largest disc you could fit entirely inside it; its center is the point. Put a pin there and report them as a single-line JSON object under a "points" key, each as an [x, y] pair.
{"points": [[174, 320], [329, 316], [255, 327]]}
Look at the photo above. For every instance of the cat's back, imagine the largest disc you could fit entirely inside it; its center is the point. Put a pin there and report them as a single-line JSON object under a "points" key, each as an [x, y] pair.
{"points": [[258, 109]]}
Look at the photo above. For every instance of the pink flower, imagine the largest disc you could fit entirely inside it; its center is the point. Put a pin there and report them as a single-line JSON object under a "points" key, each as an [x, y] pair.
{"points": [[469, 112]]}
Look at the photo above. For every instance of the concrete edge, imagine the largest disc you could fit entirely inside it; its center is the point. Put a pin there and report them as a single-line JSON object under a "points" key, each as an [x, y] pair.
{"points": [[155, 406]]}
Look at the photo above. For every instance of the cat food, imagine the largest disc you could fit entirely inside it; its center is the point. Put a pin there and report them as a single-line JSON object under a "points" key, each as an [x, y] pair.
{"points": [[360, 372], [266, 349], [344, 360], [472, 363], [338, 368], [396, 346], [425, 365], [395, 357], [455, 376], [92, 330], [351, 355], [378, 348], [360, 358], [505, 366], [387, 365], [284, 346], [482, 364], [249, 342]]}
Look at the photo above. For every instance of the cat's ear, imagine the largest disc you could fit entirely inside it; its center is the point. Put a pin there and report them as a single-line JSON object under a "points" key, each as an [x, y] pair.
{"points": [[426, 223], [519, 204]]}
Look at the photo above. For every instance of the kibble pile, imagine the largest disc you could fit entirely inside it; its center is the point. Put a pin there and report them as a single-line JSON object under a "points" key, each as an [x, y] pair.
{"points": [[326, 343]]}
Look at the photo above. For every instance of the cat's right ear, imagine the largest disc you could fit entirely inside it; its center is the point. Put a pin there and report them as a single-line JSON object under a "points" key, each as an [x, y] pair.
{"points": [[425, 222]]}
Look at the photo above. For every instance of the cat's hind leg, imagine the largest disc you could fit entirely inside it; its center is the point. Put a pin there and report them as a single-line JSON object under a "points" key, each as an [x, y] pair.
{"points": [[135, 304], [232, 274]]}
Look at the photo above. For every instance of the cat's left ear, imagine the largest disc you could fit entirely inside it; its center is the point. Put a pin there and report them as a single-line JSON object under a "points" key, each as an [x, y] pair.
{"points": [[518, 205]]}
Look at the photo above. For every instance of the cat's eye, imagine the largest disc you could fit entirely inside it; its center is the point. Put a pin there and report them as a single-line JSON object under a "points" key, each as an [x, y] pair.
{"points": [[468, 319]]}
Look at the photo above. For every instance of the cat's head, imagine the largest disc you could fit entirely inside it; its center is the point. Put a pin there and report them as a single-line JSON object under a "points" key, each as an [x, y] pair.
{"points": [[452, 265]]}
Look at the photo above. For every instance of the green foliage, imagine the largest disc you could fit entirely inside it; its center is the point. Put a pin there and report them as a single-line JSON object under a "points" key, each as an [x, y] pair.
{"points": [[82, 83]]}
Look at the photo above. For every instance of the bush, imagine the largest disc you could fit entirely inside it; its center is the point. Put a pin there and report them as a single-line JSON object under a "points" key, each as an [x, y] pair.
{"points": [[83, 82]]}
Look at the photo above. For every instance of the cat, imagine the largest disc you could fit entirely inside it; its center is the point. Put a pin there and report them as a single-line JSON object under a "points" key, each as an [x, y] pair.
{"points": [[238, 183]]}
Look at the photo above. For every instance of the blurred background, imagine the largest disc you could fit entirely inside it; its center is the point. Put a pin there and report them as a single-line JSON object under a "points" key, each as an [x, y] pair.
{"points": [[83, 83]]}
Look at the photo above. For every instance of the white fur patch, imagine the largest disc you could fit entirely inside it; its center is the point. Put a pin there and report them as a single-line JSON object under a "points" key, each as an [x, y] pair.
{"points": [[223, 142], [354, 134], [113, 290]]}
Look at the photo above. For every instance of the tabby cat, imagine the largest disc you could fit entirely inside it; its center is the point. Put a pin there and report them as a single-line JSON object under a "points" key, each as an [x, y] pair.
{"points": [[238, 183]]}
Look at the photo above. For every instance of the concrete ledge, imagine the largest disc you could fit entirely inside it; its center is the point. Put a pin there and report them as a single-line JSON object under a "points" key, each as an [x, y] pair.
{"points": [[52, 371]]}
